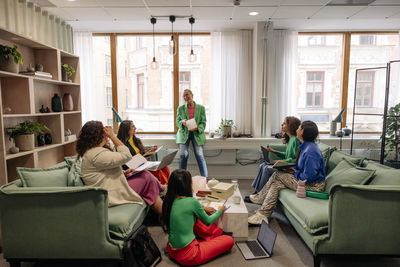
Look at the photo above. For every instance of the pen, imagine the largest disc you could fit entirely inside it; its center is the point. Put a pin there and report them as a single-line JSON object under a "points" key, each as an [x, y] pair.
{"points": [[227, 208]]}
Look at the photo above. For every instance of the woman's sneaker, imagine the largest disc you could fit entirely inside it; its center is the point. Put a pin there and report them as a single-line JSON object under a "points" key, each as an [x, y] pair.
{"points": [[257, 218], [256, 199]]}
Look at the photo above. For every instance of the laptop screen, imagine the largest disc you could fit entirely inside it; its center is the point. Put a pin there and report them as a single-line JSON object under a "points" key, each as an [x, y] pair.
{"points": [[266, 237]]}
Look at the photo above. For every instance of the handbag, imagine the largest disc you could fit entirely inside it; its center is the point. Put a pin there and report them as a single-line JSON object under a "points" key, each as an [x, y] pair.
{"points": [[141, 250]]}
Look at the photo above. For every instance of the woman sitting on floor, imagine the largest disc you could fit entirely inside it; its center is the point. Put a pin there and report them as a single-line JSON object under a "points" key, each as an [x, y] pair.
{"points": [[101, 167], [309, 167], [289, 127], [183, 218], [126, 133]]}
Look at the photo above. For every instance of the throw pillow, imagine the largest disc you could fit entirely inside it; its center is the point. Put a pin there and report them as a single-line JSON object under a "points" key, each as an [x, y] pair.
{"points": [[338, 156], [326, 152], [70, 160], [74, 174], [384, 175], [50, 177], [347, 173]]}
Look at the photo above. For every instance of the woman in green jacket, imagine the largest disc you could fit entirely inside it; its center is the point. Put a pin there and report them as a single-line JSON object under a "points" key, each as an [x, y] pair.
{"points": [[185, 134]]}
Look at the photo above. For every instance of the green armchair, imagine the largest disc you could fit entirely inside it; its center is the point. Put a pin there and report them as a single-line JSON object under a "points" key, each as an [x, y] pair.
{"points": [[64, 223]]}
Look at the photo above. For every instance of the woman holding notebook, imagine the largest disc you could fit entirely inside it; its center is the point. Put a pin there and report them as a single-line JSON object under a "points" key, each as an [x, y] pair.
{"points": [[101, 167], [309, 168], [126, 133], [289, 127], [191, 122]]}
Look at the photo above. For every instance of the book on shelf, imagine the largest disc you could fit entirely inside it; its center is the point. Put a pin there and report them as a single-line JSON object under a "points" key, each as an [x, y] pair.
{"points": [[40, 74], [280, 165]]}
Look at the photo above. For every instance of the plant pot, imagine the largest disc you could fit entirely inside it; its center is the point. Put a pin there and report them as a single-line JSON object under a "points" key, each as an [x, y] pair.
{"points": [[9, 66], [25, 142], [392, 163], [227, 131], [68, 103], [64, 75]]}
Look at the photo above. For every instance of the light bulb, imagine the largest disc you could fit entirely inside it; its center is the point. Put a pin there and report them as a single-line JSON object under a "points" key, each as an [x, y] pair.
{"points": [[192, 56], [154, 64], [171, 46]]}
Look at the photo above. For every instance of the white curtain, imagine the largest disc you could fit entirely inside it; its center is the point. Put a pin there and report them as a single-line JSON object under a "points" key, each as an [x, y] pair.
{"points": [[83, 47], [231, 70], [284, 77]]}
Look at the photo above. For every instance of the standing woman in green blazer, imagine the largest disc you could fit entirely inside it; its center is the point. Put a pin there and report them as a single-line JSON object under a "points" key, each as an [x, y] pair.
{"points": [[183, 137]]}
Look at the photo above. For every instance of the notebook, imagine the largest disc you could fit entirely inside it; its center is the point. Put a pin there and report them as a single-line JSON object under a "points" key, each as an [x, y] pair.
{"points": [[265, 154], [157, 165], [260, 248]]}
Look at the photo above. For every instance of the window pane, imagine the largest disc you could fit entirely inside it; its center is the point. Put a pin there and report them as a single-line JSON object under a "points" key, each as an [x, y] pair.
{"points": [[323, 66], [102, 79], [369, 51], [145, 96], [195, 75]]}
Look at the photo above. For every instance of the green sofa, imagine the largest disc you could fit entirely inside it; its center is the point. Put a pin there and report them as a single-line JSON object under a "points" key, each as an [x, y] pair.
{"points": [[357, 219], [70, 222]]}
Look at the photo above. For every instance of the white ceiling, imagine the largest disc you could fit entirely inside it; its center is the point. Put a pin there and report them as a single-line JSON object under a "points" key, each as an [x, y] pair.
{"points": [[214, 15]]}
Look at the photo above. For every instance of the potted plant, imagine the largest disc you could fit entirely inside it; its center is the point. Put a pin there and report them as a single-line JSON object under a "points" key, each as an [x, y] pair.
{"points": [[225, 128], [10, 58], [66, 72], [24, 134], [393, 135]]}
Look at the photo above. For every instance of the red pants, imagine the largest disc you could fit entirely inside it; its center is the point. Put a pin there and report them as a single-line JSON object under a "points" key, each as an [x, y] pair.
{"points": [[202, 251], [162, 175]]}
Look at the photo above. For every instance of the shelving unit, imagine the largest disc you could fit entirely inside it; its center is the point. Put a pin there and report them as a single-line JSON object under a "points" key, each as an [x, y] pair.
{"points": [[25, 95]]}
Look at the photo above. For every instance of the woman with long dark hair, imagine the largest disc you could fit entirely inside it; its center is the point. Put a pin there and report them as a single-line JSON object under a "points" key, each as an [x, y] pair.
{"points": [[309, 167], [126, 133], [184, 219], [101, 167], [289, 127]]}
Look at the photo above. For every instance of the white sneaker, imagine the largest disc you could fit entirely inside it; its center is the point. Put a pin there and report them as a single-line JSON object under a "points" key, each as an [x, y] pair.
{"points": [[257, 218], [255, 198]]}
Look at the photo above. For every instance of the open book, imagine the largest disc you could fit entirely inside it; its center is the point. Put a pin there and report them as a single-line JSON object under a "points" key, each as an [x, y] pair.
{"points": [[139, 163], [151, 153], [280, 165]]}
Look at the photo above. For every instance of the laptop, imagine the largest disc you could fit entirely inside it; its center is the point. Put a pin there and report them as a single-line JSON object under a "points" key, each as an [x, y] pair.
{"points": [[266, 155], [260, 248], [158, 165]]}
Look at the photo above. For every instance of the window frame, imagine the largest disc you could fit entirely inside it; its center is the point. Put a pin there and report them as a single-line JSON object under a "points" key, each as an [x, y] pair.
{"points": [[346, 65], [322, 82], [113, 50], [365, 82], [140, 102]]}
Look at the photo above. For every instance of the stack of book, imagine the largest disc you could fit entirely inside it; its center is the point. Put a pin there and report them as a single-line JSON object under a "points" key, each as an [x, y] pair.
{"points": [[39, 74]]}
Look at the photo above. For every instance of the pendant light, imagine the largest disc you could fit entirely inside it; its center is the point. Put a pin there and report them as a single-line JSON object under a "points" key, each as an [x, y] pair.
{"points": [[172, 43], [192, 56], [154, 63]]}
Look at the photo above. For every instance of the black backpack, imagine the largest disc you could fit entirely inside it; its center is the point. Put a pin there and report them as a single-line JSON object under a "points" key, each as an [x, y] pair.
{"points": [[141, 250]]}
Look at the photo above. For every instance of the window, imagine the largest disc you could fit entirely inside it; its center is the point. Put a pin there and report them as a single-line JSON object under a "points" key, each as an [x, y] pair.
{"points": [[109, 96], [366, 39], [314, 89], [365, 88], [316, 40], [140, 90], [108, 65], [184, 81], [109, 122]]}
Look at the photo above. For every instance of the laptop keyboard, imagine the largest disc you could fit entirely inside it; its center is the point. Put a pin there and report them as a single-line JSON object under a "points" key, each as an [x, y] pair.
{"points": [[255, 248]]}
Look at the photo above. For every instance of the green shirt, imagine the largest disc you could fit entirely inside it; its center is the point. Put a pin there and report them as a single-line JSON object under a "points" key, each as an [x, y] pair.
{"points": [[291, 150], [184, 213]]}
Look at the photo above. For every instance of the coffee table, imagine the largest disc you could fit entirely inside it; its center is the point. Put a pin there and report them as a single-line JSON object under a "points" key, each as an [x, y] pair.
{"points": [[235, 218]]}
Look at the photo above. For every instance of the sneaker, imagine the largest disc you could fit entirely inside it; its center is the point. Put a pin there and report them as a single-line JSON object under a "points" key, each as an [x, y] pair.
{"points": [[255, 198], [247, 199], [257, 218]]}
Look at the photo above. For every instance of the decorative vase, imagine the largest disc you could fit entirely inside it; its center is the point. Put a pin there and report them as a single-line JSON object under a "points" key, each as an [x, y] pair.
{"points": [[14, 150], [40, 140], [301, 188], [339, 133], [64, 75], [227, 131], [68, 103], [25, 142], [56, 103], [9, 65], [48, 139], [39, 67], [347, 131]]}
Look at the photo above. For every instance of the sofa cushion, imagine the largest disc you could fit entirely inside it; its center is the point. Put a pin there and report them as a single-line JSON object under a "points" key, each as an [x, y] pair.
{"points": [[50, 177], [74, 174], [311, 213], [338, 156], [326, 152], [347, 172], [124, 219], [384, 175]]}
